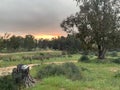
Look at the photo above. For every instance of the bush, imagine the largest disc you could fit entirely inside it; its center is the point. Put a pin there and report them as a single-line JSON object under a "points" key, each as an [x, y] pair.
{"points": [[6, 58], [84, 58], [116, 61], [27, 57], [64, 53], [114, 54], [15, 58], [69, 70], [6, 83], [49, 70], [117, 74]]}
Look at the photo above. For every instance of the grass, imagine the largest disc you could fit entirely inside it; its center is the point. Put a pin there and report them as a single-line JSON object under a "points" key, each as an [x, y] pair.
{"points": [[7, 83], [5, 58], [96, 76], [18, 57], [56, 59], [6, 63]]}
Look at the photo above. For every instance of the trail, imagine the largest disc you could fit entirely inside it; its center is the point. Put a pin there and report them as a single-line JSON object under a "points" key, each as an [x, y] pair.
{"points": [[8, 70], [30, 52]]}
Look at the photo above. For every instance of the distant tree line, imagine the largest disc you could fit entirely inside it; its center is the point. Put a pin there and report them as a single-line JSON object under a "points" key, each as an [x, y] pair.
{"points": [[70, 44], [14, 43]]}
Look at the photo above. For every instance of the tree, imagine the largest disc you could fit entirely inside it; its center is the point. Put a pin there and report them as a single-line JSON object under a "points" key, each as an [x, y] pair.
{"points": [[1, 43], [16, 42], [69, 44], [21, 76], [29, 42], [43, 43], [96, 23], [5, 41]]}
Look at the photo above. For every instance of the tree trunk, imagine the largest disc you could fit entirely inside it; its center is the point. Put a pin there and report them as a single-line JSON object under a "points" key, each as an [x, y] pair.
{"points": [[101, 52], [21, 76]]}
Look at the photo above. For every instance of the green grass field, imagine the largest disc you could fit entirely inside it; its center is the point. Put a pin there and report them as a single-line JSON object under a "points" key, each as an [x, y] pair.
{"points": [[97, 76], [11, 59]]}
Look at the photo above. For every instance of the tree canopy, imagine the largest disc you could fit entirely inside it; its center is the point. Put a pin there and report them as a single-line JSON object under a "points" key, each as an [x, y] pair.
{"points": [[96, 24]]}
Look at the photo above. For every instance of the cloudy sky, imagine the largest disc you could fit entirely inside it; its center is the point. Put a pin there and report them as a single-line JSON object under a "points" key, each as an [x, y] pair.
{"points": [[37, 17]]}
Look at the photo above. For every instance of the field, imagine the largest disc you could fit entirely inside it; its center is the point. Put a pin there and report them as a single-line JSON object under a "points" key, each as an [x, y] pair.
{"points": [[96, 75], [10, 59]]}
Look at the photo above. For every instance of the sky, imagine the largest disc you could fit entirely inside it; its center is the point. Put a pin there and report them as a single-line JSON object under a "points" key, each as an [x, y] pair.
{"points": [[41, 18]]}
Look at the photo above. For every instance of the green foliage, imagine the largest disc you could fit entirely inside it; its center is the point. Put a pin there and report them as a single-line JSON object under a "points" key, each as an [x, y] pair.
{"points": [[116, 60], [72, 71], [10, 57], [29, 42], [6, 83], [6, 58], [84, 58], [97, 23], [69, 70], [64, 53], [114, 54], [97, 76], [117, 74]]}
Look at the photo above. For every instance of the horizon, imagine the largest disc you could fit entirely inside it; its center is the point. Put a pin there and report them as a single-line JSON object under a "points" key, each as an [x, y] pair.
{"points": [[40, 36]]}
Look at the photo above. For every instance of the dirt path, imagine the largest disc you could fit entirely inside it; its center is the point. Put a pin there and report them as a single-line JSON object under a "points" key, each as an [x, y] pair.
{"points": [[7, 70], [30, 52]]}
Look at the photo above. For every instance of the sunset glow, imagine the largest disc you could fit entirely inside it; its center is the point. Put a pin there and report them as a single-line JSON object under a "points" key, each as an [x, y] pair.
{"points": [[43, 36]]}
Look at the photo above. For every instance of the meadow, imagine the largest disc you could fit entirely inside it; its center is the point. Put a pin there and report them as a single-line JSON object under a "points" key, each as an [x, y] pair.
{"points": [[96, 75]]}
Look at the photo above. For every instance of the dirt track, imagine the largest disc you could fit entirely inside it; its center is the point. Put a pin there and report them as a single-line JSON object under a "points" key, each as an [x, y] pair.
{"points": [[7, 70]]}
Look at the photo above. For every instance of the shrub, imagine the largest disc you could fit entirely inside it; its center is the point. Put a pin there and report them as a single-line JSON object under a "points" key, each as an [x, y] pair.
{"points": [[117, 74], [15, 58], [49, 70], [6, 83], [64, 53], [114, 54], [69, 55], [69, 70], [84, 58], [42, 54], [116, 61], [27, 57], [6, 58]]}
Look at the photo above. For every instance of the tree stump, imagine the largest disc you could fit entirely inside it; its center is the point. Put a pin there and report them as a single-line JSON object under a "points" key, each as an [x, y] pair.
{"points": [[21, 75]]}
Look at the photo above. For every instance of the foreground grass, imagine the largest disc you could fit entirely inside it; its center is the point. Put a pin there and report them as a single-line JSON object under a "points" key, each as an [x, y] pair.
{"points": [[95, 77]]}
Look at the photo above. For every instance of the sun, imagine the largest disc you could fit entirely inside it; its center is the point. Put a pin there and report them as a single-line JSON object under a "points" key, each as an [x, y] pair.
{"points": [[43, 36]]}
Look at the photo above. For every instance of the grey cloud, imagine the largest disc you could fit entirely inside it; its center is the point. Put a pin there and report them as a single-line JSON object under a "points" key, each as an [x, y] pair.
{"points": [[33, 14]]}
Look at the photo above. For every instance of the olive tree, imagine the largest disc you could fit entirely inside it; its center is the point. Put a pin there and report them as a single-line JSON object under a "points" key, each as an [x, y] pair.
{"points": [[97, 23]]}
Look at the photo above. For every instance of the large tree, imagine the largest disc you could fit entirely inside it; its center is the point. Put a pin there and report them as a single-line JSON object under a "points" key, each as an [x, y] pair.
{"points": [[96, 24]]}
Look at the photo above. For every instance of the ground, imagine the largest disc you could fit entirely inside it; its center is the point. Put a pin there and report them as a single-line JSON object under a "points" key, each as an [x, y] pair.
{"points": [[97, 76]]}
